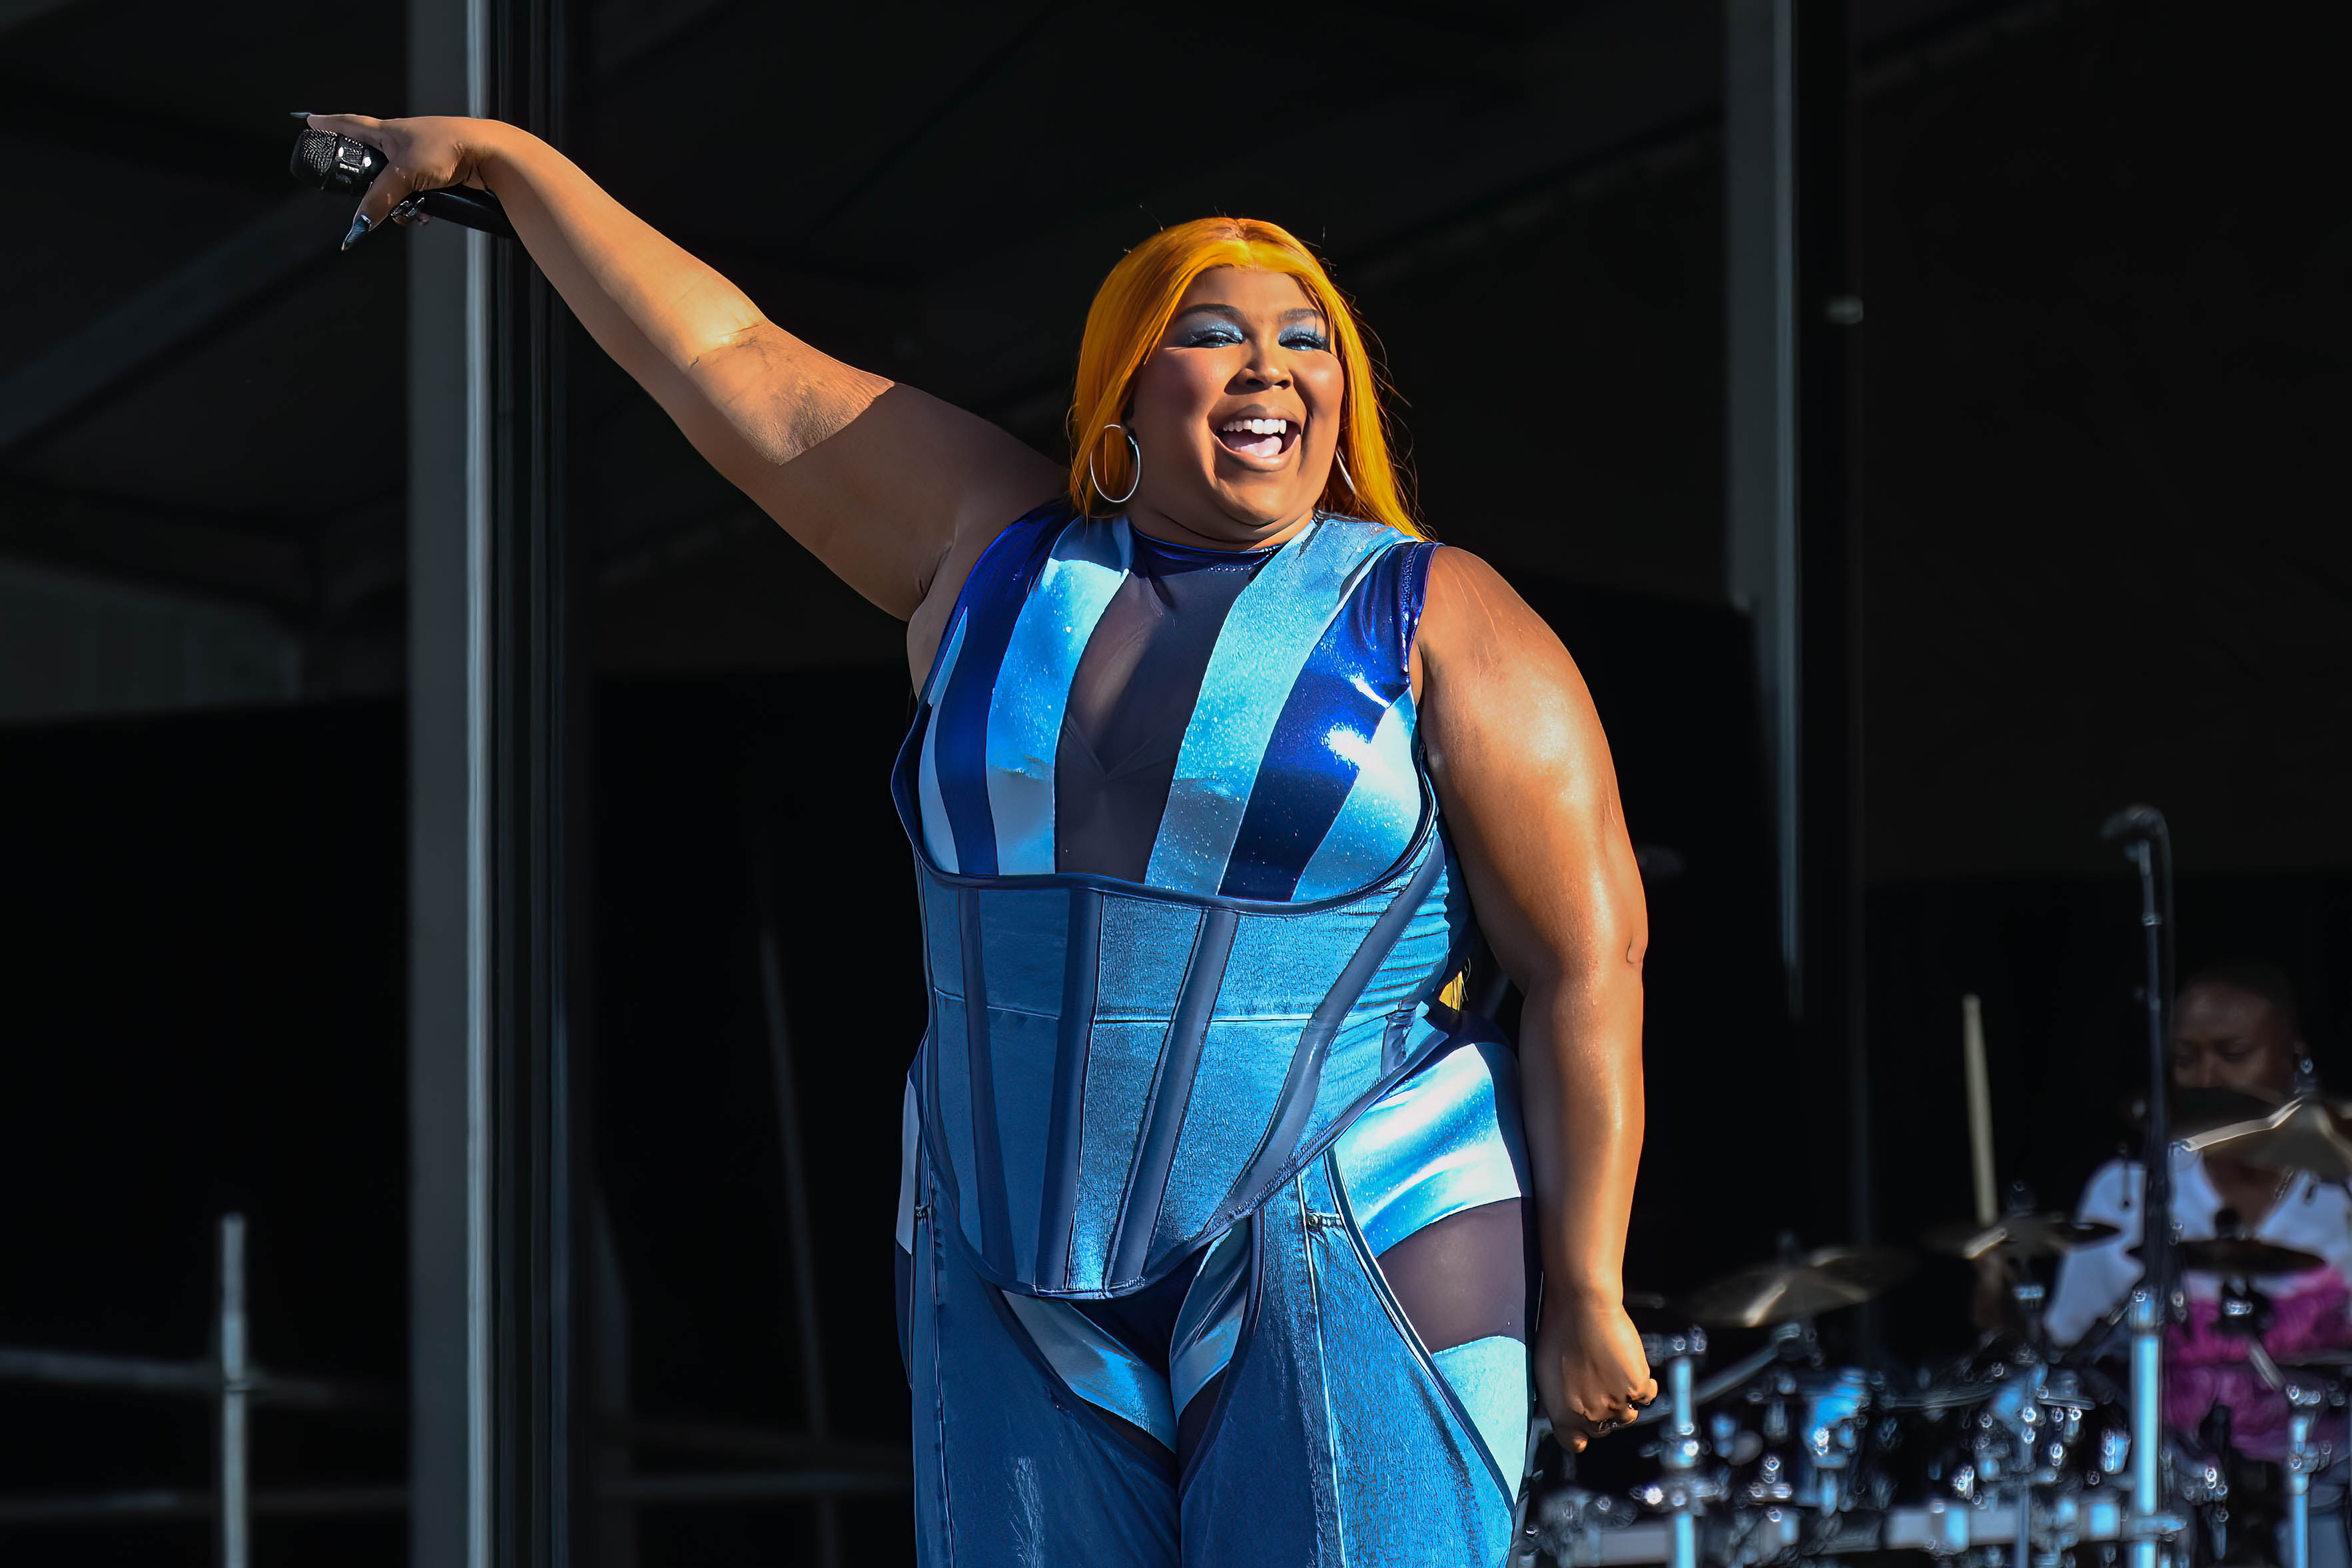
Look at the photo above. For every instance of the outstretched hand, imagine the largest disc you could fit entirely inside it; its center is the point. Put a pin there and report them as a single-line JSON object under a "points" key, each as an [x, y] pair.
{"points": [[428, 153], [1590, 1371]]}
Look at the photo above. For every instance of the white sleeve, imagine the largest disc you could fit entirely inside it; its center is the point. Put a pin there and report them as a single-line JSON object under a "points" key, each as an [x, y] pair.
{"points": [[2091, 1281]]}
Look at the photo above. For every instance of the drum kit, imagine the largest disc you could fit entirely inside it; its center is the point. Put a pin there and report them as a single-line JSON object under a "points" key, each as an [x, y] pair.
{"points": [[2023, 1455]]}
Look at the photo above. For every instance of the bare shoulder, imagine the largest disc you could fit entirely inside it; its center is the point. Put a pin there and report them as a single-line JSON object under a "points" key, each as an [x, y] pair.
{"points": [[1475, 627], [1522, 767], [1499, 698]]}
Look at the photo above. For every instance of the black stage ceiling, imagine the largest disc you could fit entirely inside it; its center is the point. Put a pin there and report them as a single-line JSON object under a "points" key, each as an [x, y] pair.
{"points": [[2105, 364]]}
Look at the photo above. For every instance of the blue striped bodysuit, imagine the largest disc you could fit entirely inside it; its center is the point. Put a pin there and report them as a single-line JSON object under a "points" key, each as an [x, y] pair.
{"points": [[1210, 1237]]}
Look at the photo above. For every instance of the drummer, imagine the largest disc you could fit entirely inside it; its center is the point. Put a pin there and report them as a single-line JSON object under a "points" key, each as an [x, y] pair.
{"points": [[2234, 1027]]}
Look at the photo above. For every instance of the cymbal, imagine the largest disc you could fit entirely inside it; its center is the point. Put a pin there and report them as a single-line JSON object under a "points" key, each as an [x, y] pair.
{"points": [[2188, 1111], [2045, 1235], [1819, 1281], [2236, 1254], [2333, 1359], [2307, 1133]]}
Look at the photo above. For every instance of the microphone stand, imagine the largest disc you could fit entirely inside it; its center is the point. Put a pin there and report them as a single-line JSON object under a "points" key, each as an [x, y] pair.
{"points": [[2147, 842]]}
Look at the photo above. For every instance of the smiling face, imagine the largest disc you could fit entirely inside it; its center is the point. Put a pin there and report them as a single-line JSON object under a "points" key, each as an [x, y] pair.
{"points": [[1236, 413]]}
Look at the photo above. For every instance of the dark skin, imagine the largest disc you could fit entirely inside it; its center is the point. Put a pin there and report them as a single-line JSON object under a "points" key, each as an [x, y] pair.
{"points": [[2223, 1037], [898, 493]]}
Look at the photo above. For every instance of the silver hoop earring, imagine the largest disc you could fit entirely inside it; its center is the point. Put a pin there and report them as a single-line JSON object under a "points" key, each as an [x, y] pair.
{"points": [[2306, 1075], [1135, 454], [1344, 473]]}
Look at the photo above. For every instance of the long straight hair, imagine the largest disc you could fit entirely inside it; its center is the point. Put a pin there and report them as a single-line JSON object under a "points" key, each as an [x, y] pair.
{"points": [[1132, 311]]}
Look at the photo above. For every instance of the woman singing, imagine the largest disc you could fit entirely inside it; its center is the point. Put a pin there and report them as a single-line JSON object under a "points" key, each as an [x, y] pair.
{"points": [[1213, 1222]]}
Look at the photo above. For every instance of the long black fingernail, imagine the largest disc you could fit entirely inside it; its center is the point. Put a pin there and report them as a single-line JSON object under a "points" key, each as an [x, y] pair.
{"points": [[359, 231], [304, 113]]}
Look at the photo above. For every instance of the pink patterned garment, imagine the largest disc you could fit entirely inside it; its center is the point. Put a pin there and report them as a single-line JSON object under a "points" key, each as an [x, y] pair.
{"points": [[2206, 1367]]}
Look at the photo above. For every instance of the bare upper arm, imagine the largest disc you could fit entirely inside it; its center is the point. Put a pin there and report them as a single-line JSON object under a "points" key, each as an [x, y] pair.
{"points": [[896, 491], [1523, 770]]}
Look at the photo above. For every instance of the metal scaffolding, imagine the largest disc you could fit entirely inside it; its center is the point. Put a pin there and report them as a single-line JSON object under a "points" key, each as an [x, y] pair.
{"points": [[235, 1383], [785, 1466]]}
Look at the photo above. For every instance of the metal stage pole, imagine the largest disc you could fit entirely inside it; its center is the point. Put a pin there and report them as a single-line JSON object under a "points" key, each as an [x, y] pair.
{"points": [[236, 1385], [495, 749], [538, 685], [1793, 500], [2148, 843], [449, 1111], [1760, 178]]}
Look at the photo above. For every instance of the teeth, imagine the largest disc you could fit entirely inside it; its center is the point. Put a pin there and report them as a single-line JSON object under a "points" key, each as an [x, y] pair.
{"points": [[1257, 427]]}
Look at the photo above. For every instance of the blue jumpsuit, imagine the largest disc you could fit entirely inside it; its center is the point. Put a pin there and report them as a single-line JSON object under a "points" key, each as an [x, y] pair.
{"points": [[1193, 1156]]}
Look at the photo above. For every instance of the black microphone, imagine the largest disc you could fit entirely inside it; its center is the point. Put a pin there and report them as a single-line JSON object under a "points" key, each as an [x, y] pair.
{"points": [[2133, 822], [341, 166]]}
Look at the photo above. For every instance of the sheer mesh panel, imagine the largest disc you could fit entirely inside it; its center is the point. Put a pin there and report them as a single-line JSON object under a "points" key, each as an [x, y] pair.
{"points": [[1130, 699], [1464, 1278]]}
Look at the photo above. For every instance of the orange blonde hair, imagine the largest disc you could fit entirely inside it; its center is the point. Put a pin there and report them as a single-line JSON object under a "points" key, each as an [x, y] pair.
{"points": [[1132, 309]]}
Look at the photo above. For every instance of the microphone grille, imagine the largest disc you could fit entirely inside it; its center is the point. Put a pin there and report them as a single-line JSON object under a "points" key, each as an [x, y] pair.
{"points": [[332, 163], [314, 157]]}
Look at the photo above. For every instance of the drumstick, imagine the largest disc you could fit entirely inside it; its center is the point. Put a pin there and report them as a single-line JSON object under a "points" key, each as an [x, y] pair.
{"points": [[1980, 1107]]}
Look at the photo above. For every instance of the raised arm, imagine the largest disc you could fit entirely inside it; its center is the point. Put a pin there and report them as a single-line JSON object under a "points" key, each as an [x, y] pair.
{"points": [[1523, 772], [893, 489]]}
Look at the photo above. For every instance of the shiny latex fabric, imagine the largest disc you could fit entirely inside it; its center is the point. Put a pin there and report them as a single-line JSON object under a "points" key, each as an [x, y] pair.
{"points": [[1114, 1071], [1286, 771], [1328, 1433]]}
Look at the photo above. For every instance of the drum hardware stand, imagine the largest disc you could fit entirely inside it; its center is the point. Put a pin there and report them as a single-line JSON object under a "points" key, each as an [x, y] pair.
{"points": [[1684, 1493], [2146, 1527], [2245, 1310], [2027, 1292], [2305, 1397], [1779, 1347], [1568, 1521], [2030, 1295]]}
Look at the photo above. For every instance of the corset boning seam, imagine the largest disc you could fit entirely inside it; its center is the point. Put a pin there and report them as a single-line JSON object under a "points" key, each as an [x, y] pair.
{"points": [[1283, 1135]]}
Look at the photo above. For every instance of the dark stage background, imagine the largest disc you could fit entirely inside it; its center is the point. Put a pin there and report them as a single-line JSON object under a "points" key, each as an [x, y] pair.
{"points": [[2107, 361]]}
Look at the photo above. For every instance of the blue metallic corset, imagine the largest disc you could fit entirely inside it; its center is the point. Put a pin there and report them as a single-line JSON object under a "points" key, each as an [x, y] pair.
{"points": [[1120, 1065]]}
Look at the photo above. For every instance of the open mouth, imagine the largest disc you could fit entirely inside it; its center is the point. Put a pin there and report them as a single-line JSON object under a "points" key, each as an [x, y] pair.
{"points": [[1258, 438]]}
